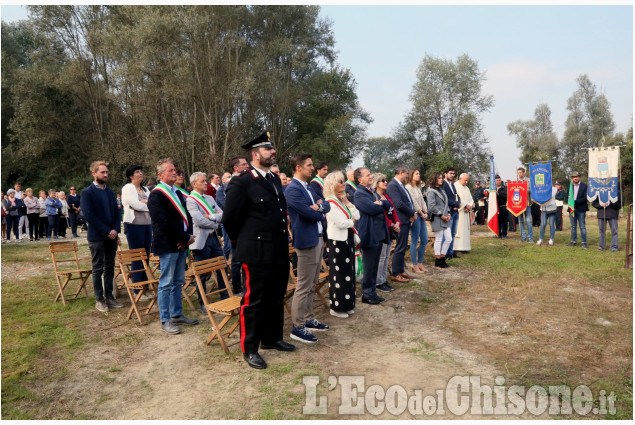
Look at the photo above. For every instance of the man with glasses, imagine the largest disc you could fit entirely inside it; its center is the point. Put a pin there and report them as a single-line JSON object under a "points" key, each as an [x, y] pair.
{"points": [[73, 201]]}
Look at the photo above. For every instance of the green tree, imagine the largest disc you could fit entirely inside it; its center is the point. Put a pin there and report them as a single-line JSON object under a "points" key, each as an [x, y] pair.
{"points": [[381, 155], [589, 124], [443, 127]]}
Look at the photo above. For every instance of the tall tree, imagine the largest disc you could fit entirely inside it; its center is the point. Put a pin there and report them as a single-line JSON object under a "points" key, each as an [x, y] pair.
{"points": [[589, 124], [536, 139], [443, 127]]}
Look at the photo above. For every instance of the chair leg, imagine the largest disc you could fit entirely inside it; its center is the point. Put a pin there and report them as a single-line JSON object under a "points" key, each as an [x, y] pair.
{"points": [[134, 299], [187, 298], [61, 286], [217, 332]]}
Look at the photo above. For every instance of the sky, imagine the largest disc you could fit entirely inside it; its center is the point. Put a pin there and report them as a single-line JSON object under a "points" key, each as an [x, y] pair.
{"points": [[528, 54]]}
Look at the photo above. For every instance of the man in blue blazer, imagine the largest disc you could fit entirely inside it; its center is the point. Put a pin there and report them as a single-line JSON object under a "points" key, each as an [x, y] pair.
{"points": [[454, 203], [579, 212], [373, 232], [102, 217], [306, 212], [171, 235], [406, 213]]}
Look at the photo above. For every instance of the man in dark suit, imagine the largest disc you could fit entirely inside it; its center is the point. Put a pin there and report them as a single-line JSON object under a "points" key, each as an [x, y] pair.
{"points": [[102, 216], [373, 232], [351, 186], [406, 214], [454, 203], [306, 212], [578, 215], [317, 184], [171, 235], [255, 219]]}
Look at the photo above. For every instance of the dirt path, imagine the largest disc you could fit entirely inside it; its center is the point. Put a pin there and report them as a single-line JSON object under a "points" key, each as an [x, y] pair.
{"points": [[131, 371]]}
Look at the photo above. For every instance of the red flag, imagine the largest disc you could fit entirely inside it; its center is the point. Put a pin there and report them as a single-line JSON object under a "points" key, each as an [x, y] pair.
{"points": [[516, 197]]}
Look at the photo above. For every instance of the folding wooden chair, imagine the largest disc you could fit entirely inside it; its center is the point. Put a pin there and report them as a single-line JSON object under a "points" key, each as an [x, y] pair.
{"points": [[322, 287], [228, 307], [189, 287], [66, 252], [125, 264], [293, 278], [121, 285]]}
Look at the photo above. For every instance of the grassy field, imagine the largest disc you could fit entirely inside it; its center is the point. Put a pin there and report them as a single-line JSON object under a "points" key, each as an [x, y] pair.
{"points": [[541, 315]]}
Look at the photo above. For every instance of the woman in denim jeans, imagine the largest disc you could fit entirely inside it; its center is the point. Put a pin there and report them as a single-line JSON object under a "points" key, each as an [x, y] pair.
{"points": [[548, 211], [419, 229], [52, 206]]}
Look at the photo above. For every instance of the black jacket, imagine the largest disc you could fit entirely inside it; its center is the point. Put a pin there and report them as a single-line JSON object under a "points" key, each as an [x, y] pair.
{"points": [[167, 223], [255, 218], [612, 211]]}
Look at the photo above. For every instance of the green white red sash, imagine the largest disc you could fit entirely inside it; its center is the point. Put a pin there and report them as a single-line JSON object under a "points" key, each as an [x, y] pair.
{"points": [[200, 200], [343, 208], [174, 200], [184, 192], [319, 181], [352, 184]]}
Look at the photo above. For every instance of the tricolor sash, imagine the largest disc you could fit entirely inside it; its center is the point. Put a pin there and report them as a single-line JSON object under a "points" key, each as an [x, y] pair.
{"points": [[319, 181], [352, 184], [344, 208], [184, 192], [516, 197], [200, 200], [359, 265], [174, 200]]}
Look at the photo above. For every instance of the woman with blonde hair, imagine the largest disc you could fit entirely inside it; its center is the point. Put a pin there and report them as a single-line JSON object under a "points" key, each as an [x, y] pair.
{"points": [[419, 228], [340, 245], [32, 213]]}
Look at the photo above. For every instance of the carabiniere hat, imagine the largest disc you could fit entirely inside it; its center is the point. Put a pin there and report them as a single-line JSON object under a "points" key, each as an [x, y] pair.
{"points": [[576, 174], [262, 141]]}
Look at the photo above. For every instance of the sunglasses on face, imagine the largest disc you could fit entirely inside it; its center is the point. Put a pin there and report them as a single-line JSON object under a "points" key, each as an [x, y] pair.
{"points": [[382, 181]]}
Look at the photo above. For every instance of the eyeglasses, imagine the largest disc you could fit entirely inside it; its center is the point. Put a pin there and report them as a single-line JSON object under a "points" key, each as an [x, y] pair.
{"points": [[382, 181], [179, 174], [341, 181]]}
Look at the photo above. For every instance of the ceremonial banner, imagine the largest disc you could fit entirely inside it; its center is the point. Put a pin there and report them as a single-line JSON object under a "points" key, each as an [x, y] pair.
{"points": [[516, 197], [492, 210], [540, 178], [603, 169]]}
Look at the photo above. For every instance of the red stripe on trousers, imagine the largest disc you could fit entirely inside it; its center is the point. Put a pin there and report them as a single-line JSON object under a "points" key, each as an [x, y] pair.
{"points": [[242, 308]]}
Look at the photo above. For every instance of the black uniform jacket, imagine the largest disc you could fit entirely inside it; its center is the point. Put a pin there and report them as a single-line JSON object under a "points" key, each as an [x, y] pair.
{"points": [[255, 218]]}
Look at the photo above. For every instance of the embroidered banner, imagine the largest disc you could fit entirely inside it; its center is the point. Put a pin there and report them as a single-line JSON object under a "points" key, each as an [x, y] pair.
{"points": [[540, 178], [603, 172], [516, 197]]}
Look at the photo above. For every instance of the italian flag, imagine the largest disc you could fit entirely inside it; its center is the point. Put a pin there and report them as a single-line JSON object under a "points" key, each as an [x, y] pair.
{"points": [[492, 211]]}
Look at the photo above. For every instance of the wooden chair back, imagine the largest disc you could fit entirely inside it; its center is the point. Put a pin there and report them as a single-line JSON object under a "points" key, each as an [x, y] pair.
{"points": [[66, 264], [126, 258]]}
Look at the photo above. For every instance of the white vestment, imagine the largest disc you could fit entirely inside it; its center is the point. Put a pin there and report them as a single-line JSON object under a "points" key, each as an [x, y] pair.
{"points": [[462, 238]]}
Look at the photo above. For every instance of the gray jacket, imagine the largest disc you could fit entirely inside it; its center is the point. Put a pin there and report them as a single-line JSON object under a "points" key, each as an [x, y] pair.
{"points": [[438, 206]]}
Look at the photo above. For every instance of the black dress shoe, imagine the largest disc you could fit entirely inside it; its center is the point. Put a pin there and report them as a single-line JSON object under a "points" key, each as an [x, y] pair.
{"points": [[278, 345], [381, 299], [254, 360], [373, 300]]}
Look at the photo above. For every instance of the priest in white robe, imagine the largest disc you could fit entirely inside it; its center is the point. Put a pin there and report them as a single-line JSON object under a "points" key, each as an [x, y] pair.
{"points": [[462, 238]]}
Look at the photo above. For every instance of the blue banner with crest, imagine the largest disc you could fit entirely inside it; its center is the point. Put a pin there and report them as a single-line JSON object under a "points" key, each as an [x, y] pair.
{"points": [[540, 182], [603, 171]]}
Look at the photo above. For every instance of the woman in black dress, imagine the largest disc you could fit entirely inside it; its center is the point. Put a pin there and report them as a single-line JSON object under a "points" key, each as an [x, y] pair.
{"points": [[340, 245]]}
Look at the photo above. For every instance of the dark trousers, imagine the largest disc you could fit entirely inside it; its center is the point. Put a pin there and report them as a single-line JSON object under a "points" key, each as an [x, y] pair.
{"points": [[559, 219], [262, 308], [12, 223], [370, 261], [72, 218], [44, 226], [227, 244], [212, 249], [53, 221], [502, 221], [34, 218], [62, 226], [138, 236], [238, 274], [399, 256], [103, 258]]}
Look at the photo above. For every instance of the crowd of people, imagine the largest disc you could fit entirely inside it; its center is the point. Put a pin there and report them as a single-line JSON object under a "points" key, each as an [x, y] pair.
{"points": [[251, 215]]}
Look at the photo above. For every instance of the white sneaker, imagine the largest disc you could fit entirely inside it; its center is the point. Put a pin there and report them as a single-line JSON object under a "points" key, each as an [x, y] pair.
{"points": [[551, 242], [338, 314], [539, 242]]}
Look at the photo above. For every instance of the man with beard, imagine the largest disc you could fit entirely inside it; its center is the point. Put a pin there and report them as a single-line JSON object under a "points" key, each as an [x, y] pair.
{"points": [[255, 219], [100, 211]]}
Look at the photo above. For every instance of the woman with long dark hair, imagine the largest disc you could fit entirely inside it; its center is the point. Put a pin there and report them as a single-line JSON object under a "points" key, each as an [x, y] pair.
{"points": [[439, 210]]}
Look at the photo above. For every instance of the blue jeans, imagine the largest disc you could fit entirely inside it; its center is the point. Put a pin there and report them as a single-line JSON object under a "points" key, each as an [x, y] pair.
{"points": [[526, 231], [543, 223], [139, 236], [454, 223], [54, 221], [212, 249], [579, 218], [418, 232], [12, 223], [170, 282]]}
